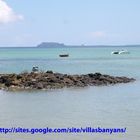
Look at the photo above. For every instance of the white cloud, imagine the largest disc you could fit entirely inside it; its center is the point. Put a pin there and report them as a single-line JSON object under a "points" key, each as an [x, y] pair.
{"points": [[7, 14], [98, 34]]}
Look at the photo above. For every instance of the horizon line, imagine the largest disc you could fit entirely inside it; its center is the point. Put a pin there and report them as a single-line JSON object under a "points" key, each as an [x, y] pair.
{"points": [[82, 45]]}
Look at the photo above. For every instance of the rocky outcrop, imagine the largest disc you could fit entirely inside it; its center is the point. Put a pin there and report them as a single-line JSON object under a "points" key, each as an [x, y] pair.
{"points": [[50, 80]]}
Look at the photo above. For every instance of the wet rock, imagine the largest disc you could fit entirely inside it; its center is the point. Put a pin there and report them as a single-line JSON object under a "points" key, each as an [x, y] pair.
{"points": [[39, 86], [68, 81], [50, 80], [8, 83], [3, 79], [49, 71], [19, 77], [91, 75], [97, 75], [15, 82]]}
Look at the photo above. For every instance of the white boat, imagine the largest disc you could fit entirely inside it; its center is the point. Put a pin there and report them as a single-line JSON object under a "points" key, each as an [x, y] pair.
{"points": [[120, 52], [35, 69]]}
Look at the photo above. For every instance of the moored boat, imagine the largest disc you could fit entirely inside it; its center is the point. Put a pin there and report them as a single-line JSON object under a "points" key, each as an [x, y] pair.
{"points": [[35, 69], [64, 55], [120, 52]]}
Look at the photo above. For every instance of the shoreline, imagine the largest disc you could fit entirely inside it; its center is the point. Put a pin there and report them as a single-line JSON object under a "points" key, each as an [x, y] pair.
{"points": [[51, 80]]}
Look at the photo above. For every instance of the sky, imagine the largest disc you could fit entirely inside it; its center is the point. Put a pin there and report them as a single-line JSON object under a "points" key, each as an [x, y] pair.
{"points": [[72, 22]]}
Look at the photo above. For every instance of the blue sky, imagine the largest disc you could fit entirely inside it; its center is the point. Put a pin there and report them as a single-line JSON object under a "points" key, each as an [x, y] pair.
{"points": [[97, 22]]}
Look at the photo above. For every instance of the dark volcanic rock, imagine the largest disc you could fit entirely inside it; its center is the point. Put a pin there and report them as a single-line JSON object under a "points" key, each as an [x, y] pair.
{"points": [[50, 80], [49, 71]]}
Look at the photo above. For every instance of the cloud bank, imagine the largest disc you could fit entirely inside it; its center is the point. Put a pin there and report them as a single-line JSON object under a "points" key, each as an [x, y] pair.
{"points": [[7, 14]]}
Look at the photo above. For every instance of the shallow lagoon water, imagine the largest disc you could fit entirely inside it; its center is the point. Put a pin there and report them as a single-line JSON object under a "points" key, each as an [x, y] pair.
{"points": [[106, 106]]}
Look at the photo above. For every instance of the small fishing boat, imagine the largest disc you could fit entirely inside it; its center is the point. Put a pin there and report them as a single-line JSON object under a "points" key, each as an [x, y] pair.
{"points": [[64, 55], [35, 69], [120, 52]]}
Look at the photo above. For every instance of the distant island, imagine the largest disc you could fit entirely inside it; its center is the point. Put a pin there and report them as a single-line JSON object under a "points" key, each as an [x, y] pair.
{"points": [[50, 44], [62, 45]]}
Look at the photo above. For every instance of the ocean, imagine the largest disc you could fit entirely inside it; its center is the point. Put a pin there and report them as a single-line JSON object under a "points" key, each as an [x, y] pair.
{"points": [[105, 106]]}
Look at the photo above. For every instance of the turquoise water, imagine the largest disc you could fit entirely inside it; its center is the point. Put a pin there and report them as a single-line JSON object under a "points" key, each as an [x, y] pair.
{"points": [[111, 106]]}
